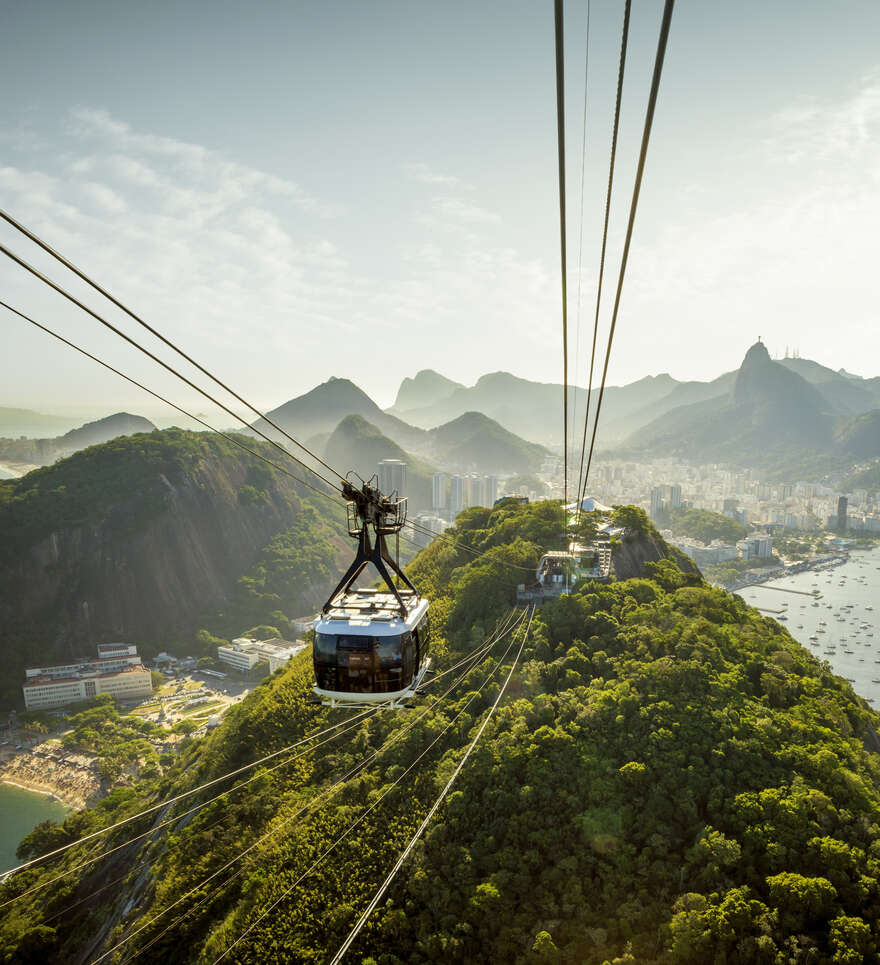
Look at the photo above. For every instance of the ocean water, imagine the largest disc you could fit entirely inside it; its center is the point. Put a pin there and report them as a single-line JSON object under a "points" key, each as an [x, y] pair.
{"points": [[20, 812], [855, 629]]}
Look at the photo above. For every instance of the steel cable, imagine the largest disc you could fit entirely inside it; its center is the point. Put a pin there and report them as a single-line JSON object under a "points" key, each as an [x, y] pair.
{"points": [[637, 187]]}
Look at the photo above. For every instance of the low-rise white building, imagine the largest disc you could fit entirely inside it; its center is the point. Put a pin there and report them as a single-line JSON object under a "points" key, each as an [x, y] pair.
{"points": [[117, 671], [244, 654]]}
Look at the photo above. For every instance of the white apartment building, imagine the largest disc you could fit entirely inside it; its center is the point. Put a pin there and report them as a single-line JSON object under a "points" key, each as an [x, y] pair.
{"points": [[715, 552], [756, 546], [392, 477], [244, 654], [120, 674], [439, 485]]}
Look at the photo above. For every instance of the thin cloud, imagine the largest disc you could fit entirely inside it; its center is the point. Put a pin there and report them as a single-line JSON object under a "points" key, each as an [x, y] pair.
{"points": [[424, 174]]}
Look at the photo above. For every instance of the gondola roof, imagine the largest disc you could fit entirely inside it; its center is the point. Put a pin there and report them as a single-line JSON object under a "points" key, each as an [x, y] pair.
{"points": [[370, 611]]}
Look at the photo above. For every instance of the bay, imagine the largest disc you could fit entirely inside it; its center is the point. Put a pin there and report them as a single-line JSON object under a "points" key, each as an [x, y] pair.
{"points": [[845, 623], [20, 812]]}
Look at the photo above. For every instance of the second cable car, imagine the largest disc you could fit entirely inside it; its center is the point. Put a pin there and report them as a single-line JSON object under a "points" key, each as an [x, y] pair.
{"points": [[371, 645]]}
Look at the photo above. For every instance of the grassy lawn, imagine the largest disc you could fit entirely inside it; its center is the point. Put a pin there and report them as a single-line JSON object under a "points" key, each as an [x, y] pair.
{"points": [[146, 709], [206, 709]]}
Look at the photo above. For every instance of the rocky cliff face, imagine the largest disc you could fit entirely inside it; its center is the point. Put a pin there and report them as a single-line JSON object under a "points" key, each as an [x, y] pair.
{"points": [[142, 567], [629, 556]]}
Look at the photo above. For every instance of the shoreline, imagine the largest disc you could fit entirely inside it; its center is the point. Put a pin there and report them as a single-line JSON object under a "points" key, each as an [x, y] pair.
{"points": [[780, 572], [17, 469], [73, 801]]}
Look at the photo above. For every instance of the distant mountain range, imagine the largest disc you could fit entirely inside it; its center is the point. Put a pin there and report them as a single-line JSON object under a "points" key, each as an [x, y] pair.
{"points": [[340, 422], [15, 423], [43, 451], [763, 412], [768, 412]]}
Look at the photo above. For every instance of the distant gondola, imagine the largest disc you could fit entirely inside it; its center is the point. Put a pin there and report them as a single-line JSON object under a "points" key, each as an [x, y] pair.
{"points": [[371, 646]]}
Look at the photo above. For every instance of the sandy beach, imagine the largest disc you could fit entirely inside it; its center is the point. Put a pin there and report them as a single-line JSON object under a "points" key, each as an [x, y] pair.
{"points": [[12, 470], [74, 784], [41, 790]]}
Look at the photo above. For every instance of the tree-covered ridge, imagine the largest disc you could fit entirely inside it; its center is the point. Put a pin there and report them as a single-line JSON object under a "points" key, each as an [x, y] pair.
{"points": [[704, 525], [150, 537], [672, 779], [81, 487]]}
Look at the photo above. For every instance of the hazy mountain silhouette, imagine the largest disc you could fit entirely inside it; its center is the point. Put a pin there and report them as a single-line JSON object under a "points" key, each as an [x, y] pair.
{"points": [[40, 452], [532, 409], [103, 430], [427, 388], [359, 445], [477, 443], [322, 409], [769, 409]]}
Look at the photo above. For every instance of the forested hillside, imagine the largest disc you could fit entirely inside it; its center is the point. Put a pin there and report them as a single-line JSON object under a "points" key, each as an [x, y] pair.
{"points": [[141, 538], [671, 778]]}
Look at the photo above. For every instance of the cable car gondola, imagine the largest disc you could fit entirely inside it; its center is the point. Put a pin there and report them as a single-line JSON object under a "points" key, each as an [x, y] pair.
{"points": [[371, 645]]}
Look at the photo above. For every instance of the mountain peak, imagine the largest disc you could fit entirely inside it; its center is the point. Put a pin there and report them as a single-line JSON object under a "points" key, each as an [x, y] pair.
{"points": [[426, 388], [756, 355]]}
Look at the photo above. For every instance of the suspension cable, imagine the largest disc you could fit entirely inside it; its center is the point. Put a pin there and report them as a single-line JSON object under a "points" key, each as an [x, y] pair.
{"points": [[577, 348], [170, 368], [620, 72], [476, 656], [377, 897], [329, 791], [80, 274], [223, 885], [637, 187], [560, 139], [161, 398], [352, 722], [318, 861], [237, 442]]}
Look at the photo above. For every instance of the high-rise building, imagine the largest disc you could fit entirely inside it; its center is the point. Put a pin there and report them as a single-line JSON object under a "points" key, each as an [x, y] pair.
{"points": [[675, 497], [439, 498], [392, 477], [490, 490], [475, 491], [456, 495], [842, 505], [656, 501]]}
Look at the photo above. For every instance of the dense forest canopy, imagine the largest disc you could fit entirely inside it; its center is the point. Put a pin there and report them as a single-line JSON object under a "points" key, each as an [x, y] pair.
{"points": [[671, 778], [705, 526]]}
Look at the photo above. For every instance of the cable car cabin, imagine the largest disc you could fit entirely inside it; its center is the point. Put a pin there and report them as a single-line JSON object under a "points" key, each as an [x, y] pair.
{"points": [[366, 653]]}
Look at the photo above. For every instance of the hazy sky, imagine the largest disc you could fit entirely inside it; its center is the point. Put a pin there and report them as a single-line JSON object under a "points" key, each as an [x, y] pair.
{"points": [[295, 190]]}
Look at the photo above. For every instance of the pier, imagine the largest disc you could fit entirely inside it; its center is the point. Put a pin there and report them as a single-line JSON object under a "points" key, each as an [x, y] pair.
{"points": [[781, 589]]}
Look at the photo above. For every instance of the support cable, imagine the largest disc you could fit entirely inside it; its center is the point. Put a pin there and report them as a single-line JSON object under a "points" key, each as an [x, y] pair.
{"points": [[80, 274], [170, 368], [326, 793], [637, 187], [341, 837], [475, 656], [577, 348], [582, 483], [352, 723], [377, 897], [560, 139], [162, 398], [237, 442]]}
